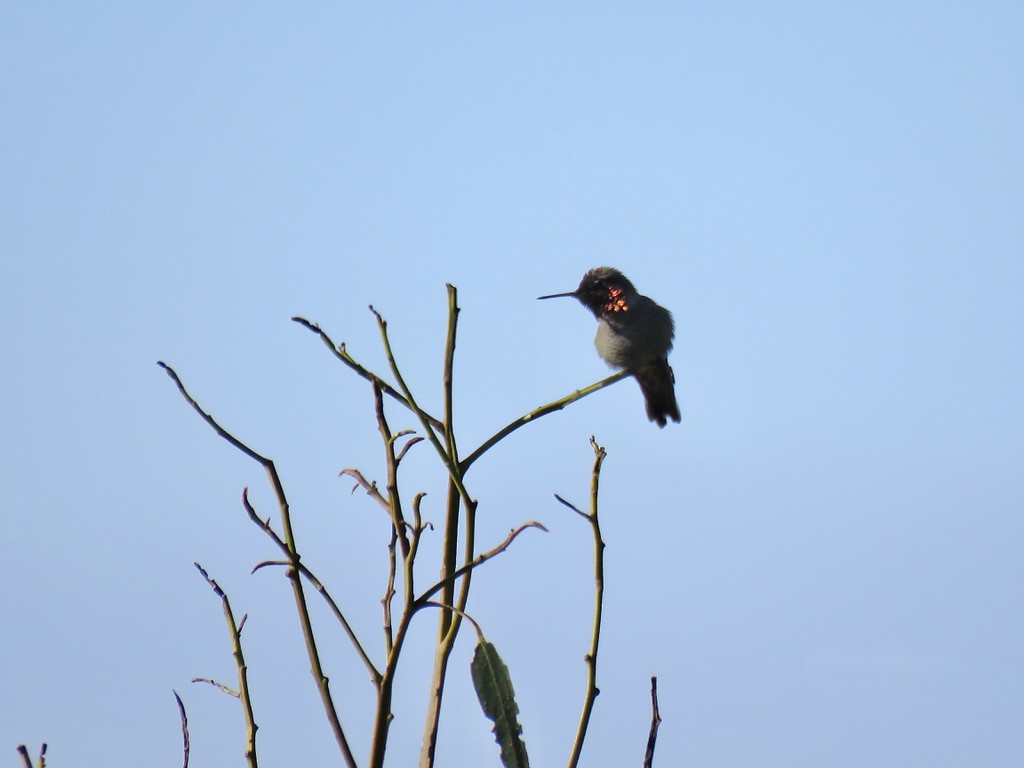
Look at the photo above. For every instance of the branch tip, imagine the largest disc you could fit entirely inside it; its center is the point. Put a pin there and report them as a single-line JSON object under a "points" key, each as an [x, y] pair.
{"points": [[184, 728], [655, 722]]}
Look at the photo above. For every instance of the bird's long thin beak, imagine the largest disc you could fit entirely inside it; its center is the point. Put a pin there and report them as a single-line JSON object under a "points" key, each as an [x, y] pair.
{"points": [[557, 295]]}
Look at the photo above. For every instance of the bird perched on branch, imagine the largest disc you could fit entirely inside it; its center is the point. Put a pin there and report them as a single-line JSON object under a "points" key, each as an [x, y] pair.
{"points": [[633, 333]]}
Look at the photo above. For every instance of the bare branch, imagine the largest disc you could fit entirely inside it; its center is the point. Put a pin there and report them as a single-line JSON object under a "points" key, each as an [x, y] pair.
{"points": [[591, 657], [544, 410], [366, 485], [268, 563], [475, 562], [316, 669], [342, 354], [655, 722], [317, 584], [389, 592], [394, 503], [218, 685], [243, 671], [416, 515], [450, 460], [184, 729], [573, 507], [407, 446], [453, 609]]}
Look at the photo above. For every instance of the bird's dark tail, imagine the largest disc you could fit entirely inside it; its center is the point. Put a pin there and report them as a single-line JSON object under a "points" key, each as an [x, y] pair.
{"points": [[657, 382]]}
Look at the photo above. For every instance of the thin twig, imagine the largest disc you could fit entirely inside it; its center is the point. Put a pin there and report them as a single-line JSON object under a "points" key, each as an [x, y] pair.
{"points": [[371, 486], [366, 485], [218, 685], [243, 671], [391, 460], [591, 657], [398, 532], [533, 415], [450, 461], [476, 562], [453, 609], [184, 729], [418, 527], [389, 592], [655, 722], [573, 507], [266, 563], [447, 379], [417, 516], [449, 362], [339, 351], [469, 536], [316, 669], [408, 445]]}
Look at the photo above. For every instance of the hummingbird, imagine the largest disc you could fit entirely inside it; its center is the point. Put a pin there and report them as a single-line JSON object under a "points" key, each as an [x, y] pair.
{"points": [[633, 333]]}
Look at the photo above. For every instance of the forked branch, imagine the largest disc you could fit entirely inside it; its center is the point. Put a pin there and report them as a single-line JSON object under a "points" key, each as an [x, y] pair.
{"points": [[595, 640], [476, 562], [264, 525], [339, 351], [242, 694], [294, 575]]}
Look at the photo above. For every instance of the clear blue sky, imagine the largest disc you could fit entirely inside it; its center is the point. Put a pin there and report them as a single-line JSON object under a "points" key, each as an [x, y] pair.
{"points": [[822, 563]]}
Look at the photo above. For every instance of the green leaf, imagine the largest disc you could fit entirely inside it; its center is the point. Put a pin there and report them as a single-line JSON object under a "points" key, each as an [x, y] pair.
{"points": [[494, 689]]}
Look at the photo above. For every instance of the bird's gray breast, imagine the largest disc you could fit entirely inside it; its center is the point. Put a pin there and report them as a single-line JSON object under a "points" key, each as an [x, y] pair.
{"points": [[633, 339]]}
